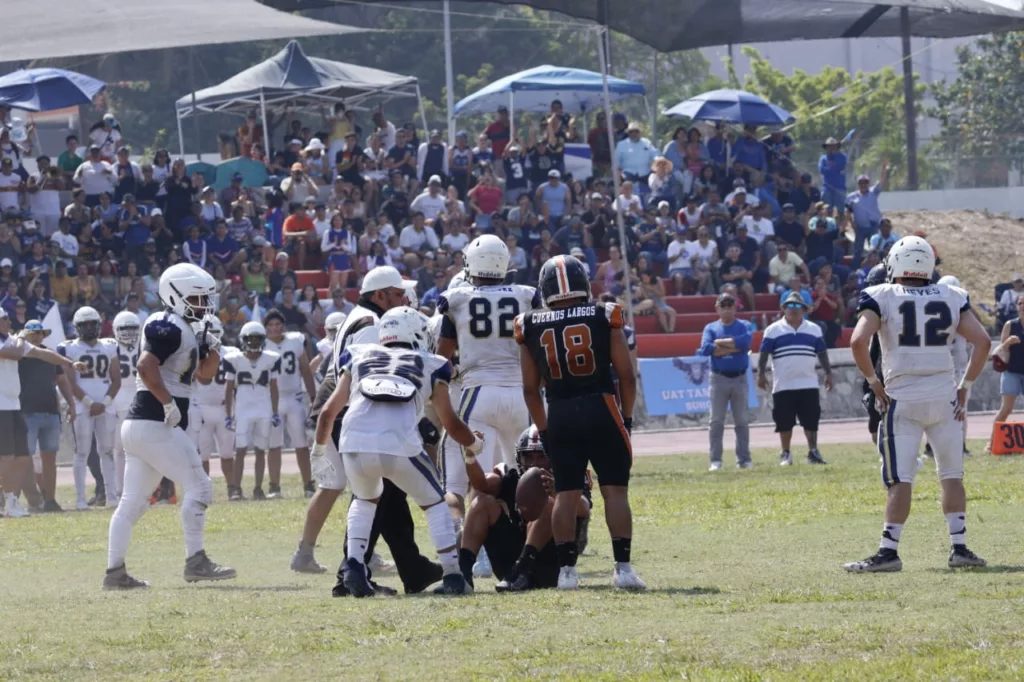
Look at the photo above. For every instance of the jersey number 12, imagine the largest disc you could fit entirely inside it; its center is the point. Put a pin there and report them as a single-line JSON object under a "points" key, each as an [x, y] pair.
{"points": [[936, 327]]}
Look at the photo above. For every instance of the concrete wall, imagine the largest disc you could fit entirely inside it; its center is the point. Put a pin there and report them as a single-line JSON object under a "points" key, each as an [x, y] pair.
{"points": [[996, 200]]}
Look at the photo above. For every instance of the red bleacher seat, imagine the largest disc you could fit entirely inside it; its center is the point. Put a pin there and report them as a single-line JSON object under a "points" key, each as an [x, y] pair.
{"points": [[317, 278], [350, 294], [682, 345], [686, 323]]}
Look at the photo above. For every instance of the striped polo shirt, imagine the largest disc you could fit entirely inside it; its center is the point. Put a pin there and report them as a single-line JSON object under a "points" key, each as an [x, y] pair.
{"points": [[794, 354]]}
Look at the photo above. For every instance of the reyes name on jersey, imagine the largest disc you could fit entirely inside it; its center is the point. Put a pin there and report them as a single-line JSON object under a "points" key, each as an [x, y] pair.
{"points": [[291, 348], [100, 359], [172, 340], [382, 426], [252, 380], [481, 320], [918, 326]]}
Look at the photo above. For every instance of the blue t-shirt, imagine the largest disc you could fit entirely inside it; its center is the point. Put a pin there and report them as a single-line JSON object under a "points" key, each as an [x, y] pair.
{"points": [[833, 170], [555, 198], [740, 333], [274, 226], [751, 152], [221, 250]]}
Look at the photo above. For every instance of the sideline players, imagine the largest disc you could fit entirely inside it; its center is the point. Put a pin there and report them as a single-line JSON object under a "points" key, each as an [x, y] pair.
{"points": [[571, 347], [154, 436], [915, 321], [214, 432], [127, 331], [385, 386], [94, 388]]}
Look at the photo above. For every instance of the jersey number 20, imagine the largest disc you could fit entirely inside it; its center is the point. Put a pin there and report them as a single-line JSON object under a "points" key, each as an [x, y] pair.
{"points": [[579, 353], [936, 327]]}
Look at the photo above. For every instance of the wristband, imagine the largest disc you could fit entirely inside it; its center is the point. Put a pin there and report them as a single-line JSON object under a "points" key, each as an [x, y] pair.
{"points": [[469, 459], [87, 401], [107, 400], [873, 380], [966, 383]]}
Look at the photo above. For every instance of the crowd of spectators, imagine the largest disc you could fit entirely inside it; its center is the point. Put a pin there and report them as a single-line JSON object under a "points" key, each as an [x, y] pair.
{"points": [[726, 213]]}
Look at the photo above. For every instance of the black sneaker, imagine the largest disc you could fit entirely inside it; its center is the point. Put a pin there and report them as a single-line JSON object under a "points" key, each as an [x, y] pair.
{"points": [[882, 561], [814, 457], [961, 557], [98, 501], [274, 492], [119, 579], [517, 582], [51, 506], [339, 590], [430, 575], [355, 579], [258, 495], [383, 590], [454, 583], [235, 494]]}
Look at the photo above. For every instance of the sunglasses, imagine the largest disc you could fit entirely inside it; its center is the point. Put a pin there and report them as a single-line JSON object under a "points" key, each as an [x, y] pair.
{"points": [[795, 305]]}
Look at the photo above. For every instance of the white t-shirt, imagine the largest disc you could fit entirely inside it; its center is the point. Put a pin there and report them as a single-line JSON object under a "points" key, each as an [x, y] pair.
{"points": [[68, 244], [44, 202], [108, 141], [705, 252], [411, 239], [455, 242], [758, 228], [300, 191], [9, 199], [683, 262], [429, 206], [627, 204], [794, 354], [95, 177], [10, 382], [322, 226], [385, 232]]}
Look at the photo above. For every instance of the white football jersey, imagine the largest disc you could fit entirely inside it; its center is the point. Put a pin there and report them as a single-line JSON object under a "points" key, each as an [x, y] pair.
{"points": [[481, 319], [212, 394], [323, 347], [100, 358], [252, 380], [291, 348], [961, 353], [389, 428], [918, 328], [129, 359], [168, 337]]}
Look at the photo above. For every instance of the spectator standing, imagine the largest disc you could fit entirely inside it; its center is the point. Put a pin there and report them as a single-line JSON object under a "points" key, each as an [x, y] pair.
{"points": [[128, 175], [635, 155], [486, 198], [460, 163], [1007, 302], [499, 132], [106, 134], [1010, 353], [863, 206], [804, 196], [554, 200], [298, 185], [181, 192], [516, 175], [727, 342], [600, 154], [795, 346], [832, 168], [95, 176], [43, 189], [432, 157], [751, 152], [821, 235], [69, 160]]}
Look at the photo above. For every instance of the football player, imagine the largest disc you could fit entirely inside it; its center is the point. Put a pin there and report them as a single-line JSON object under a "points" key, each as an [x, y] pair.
{"points": [[209, 394], [154, 437], [571, 347], [522, 554], [385, 386], [916, 322], [94, 390], [127, 331], [478, 321], [251, 402], [297, 391], [324, 346]]}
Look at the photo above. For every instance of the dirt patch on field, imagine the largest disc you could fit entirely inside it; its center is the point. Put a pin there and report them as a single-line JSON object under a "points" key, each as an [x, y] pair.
{"points": [[979, 248]]}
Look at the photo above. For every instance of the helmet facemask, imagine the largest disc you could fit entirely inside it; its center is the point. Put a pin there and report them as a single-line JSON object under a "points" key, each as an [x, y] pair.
{"points": [[127, 336]]}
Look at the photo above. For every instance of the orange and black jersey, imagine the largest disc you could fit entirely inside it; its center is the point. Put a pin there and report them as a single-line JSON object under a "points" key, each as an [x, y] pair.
{"points": [[572, 347]]}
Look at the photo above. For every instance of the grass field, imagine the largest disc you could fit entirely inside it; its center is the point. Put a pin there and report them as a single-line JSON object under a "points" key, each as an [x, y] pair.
{"points": [[743, 569]]}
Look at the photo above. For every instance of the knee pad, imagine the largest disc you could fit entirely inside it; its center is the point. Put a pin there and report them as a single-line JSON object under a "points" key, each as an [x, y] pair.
{"points": [[200, 490]]}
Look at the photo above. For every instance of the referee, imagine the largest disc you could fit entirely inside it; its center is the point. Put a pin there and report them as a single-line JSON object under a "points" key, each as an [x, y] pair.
{"points": [[795, 346]]}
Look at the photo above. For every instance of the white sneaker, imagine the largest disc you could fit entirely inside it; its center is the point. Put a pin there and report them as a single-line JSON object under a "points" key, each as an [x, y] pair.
{"points": [[379, 564], [715, 466], [482, 567], [13, 508], [567, 578], [627, 579], [82, 505]]}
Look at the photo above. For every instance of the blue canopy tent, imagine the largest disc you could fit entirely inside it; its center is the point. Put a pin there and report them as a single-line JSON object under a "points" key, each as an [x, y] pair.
{"points": [[579, 90], [292, 80]]}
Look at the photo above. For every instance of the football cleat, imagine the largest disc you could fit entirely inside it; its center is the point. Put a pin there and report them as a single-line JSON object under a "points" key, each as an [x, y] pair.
{"points": [[482, 567], [961, 557], [235, 494], [715, 466], [516, 582], [785, 459], [305, 562], [118, 579], [814, 457], [882, 561], [258, 495], [568, 578], [379, 564], [355, 579], [627, 579], [198, 567], [275, 492], [454, 583]]}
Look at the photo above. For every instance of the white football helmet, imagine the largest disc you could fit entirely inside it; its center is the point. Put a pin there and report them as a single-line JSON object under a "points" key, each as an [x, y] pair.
{"points": [[87, 323], [487, 257], [189, 291], [252, 338], [403, 325], [459, 281], [127, 328], [911, 258], [950, 280], [210, 324], [333, 323]]}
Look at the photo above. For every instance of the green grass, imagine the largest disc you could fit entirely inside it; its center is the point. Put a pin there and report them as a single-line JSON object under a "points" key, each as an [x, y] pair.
{"points": [[743, 569]]}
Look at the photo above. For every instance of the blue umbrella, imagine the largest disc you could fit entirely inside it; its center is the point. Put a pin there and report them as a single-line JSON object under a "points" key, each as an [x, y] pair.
{"points": [[732, 106], [47, 89]]}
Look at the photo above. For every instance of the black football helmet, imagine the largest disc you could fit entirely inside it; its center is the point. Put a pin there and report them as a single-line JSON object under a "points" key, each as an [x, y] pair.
{"points": [[563, 277], [529, 445], [876, 275]]}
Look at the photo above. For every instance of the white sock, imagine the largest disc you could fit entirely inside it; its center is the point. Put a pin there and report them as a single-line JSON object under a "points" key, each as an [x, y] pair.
{"points": [[80, 468], [193, 523], [957, 524], [891, 535], [360, 524], [442, 533]]}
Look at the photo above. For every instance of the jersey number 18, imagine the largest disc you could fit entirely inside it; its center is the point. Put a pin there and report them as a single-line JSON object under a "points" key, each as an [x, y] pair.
{"points": [[578, 353]]}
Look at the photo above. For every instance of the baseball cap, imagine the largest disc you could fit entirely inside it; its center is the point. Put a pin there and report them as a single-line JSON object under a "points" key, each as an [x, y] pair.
{"points": [[435, 133], [1016, 278], [806, 177], [553, 173], [237, 177], [37, 326], [295, 140], [788, 207], [6, 263], [863, 178], [94, 148], [309, 200], [576, 251], [725, 300], [385, 277], [434, 179], [633, 128], [155, 212], [281, 256], [739, 182], [502, 108], [597, 196]]}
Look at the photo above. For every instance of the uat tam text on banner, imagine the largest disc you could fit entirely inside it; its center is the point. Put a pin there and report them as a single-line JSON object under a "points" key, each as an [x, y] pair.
{"points": [[682, 385]]}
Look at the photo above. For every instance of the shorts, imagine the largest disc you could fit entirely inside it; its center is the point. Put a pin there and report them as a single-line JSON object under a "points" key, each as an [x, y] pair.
{"points": [[788, 406], [588, 430], [416, 476], [43, 432], [504, 544], [1011, 383], [899, 439], [13, 434], [252, 431], [293, 413]]}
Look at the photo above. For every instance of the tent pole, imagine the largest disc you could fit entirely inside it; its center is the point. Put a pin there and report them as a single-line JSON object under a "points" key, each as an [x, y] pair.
{"points": [[181, 136], [423, 113], [266, 130], [654, 98], [448, 72], [511, 116], [908, 100], [192, 86], [615, 167]]}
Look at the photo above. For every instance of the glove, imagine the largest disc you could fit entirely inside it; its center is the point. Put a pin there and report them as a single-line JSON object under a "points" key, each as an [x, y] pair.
{"points": [[628, 423], [319, 465], [275, 421], [172, 415], [470, 451], [229, 423]]}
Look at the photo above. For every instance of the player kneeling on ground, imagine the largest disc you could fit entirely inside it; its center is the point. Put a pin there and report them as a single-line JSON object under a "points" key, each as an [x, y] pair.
{"points": [[571, 346], [916, 321], [386, 387], [518, 538]]}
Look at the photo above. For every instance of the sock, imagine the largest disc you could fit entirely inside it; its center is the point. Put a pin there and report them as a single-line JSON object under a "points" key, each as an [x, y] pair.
{"points": [[957, 524], [567, 554], [891, 536], [527, 560], [193, 523], [360, 523], [620, 549], [466, 560], [442, 533], [79, 468]]}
